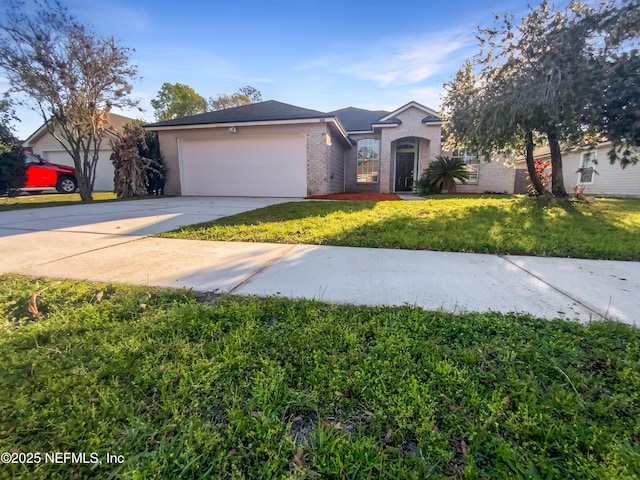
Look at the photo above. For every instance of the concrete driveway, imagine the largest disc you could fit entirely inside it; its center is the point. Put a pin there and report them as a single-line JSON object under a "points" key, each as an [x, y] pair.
{"points": [[107, 242], [41, 235]]}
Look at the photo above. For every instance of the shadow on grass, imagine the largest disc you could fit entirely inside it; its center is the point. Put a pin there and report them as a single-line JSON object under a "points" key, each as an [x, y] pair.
{"points": [[284, 212], [562, 230]]}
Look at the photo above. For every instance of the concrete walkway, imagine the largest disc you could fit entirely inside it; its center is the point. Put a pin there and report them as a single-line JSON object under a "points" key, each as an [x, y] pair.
{"points": [[107, 242]]}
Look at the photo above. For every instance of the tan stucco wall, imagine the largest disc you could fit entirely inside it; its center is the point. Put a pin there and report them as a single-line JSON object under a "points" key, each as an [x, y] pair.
{"points": [[318, 149]]}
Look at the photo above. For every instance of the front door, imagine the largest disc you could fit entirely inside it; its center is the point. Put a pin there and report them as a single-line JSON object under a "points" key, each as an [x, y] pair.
{"points": [[404, 171]]}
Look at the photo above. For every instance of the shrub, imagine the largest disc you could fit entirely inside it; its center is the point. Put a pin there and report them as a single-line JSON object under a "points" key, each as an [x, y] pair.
{"points": [[12, 168], [156, 170], [543, 169], [424, 186], [444, 171]]}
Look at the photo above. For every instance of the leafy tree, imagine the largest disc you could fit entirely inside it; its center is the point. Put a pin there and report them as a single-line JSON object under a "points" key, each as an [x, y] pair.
{"points": [[176, 100], [613, 107], [479, 115], [12, 166], [244, 96], [73, 77], [537, 78], [444, 171]]}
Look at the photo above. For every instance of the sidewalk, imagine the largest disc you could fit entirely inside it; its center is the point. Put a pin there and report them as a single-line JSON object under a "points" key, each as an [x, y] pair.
{"points": [[108, 242], [550, 288]]}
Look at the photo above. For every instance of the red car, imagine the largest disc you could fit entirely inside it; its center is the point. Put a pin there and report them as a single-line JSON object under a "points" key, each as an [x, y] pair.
{"points": [[42, 175]]}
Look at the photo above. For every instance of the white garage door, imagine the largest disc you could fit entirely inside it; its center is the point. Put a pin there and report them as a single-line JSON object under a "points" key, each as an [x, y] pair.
{"points": [[273, 166], [104, 168]]}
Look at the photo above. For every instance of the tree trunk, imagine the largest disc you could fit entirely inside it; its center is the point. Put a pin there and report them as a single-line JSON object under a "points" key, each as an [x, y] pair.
{"points": [[531, 167], [84, 189], [557, 180]]}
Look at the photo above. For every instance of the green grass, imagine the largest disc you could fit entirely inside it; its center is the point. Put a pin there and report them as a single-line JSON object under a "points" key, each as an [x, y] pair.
{"points": [[606, 229], [250, 388], [54, 200]]}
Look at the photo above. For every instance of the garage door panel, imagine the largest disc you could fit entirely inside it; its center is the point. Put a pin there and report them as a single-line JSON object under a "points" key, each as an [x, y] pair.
{"points": [[104, 167], [249, 166]]}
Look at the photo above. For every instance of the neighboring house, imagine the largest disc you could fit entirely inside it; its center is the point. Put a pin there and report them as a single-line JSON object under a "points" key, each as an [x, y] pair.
{"points": [[590, 167], [44, 144], [275, 149]]}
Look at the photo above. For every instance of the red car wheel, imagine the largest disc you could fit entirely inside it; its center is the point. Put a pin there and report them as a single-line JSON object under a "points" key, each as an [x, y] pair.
{"points": [[66, 184]]}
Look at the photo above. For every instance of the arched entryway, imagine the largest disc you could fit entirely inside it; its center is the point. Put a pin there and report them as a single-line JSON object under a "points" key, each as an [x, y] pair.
{"points": [[406, 153]]}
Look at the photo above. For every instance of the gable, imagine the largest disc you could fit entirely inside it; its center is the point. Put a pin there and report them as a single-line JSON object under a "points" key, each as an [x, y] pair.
{"points": [[42, 135], [429, 115], [413, 116]]}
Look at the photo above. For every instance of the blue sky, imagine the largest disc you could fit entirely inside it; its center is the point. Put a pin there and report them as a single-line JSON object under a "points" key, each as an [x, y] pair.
{"points": [[319, 54]]}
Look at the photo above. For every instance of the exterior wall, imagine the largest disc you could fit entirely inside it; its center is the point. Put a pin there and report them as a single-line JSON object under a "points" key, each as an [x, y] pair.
{"points": [[317, 160], [318, 152], [351, 167], [493, 177], [610, 180], [425, 157], [521, 183], [411, 126], [336, 166]]}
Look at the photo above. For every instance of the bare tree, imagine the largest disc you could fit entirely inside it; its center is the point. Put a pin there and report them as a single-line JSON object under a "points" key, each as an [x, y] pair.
{"points": [[70, 75]]}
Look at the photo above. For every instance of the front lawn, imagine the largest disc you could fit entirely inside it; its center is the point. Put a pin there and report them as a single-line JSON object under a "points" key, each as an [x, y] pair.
{"points": [[606, 229], [273, 389]]}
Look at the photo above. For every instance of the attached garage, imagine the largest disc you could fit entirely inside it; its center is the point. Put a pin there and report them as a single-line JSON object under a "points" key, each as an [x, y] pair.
{"points": [[274, 166], [266, 149]]}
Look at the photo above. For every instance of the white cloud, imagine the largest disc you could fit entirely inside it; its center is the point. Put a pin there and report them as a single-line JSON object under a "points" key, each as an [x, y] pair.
{"points": [[398, 62], [409, 62]]}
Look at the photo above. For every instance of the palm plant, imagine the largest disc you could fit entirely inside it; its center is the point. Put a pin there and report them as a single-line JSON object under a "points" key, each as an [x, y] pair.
{"points": [[444, 171]]}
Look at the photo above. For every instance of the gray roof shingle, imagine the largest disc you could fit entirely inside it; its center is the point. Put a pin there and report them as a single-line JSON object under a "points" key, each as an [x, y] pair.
{"points": [[254, 112], [358, 119], [431, 118]]}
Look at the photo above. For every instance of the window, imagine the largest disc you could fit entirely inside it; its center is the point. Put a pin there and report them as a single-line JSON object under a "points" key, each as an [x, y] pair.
{"points": [[30, 159], [586, 169], [473, 163], [368, 160], [406, 146]]}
